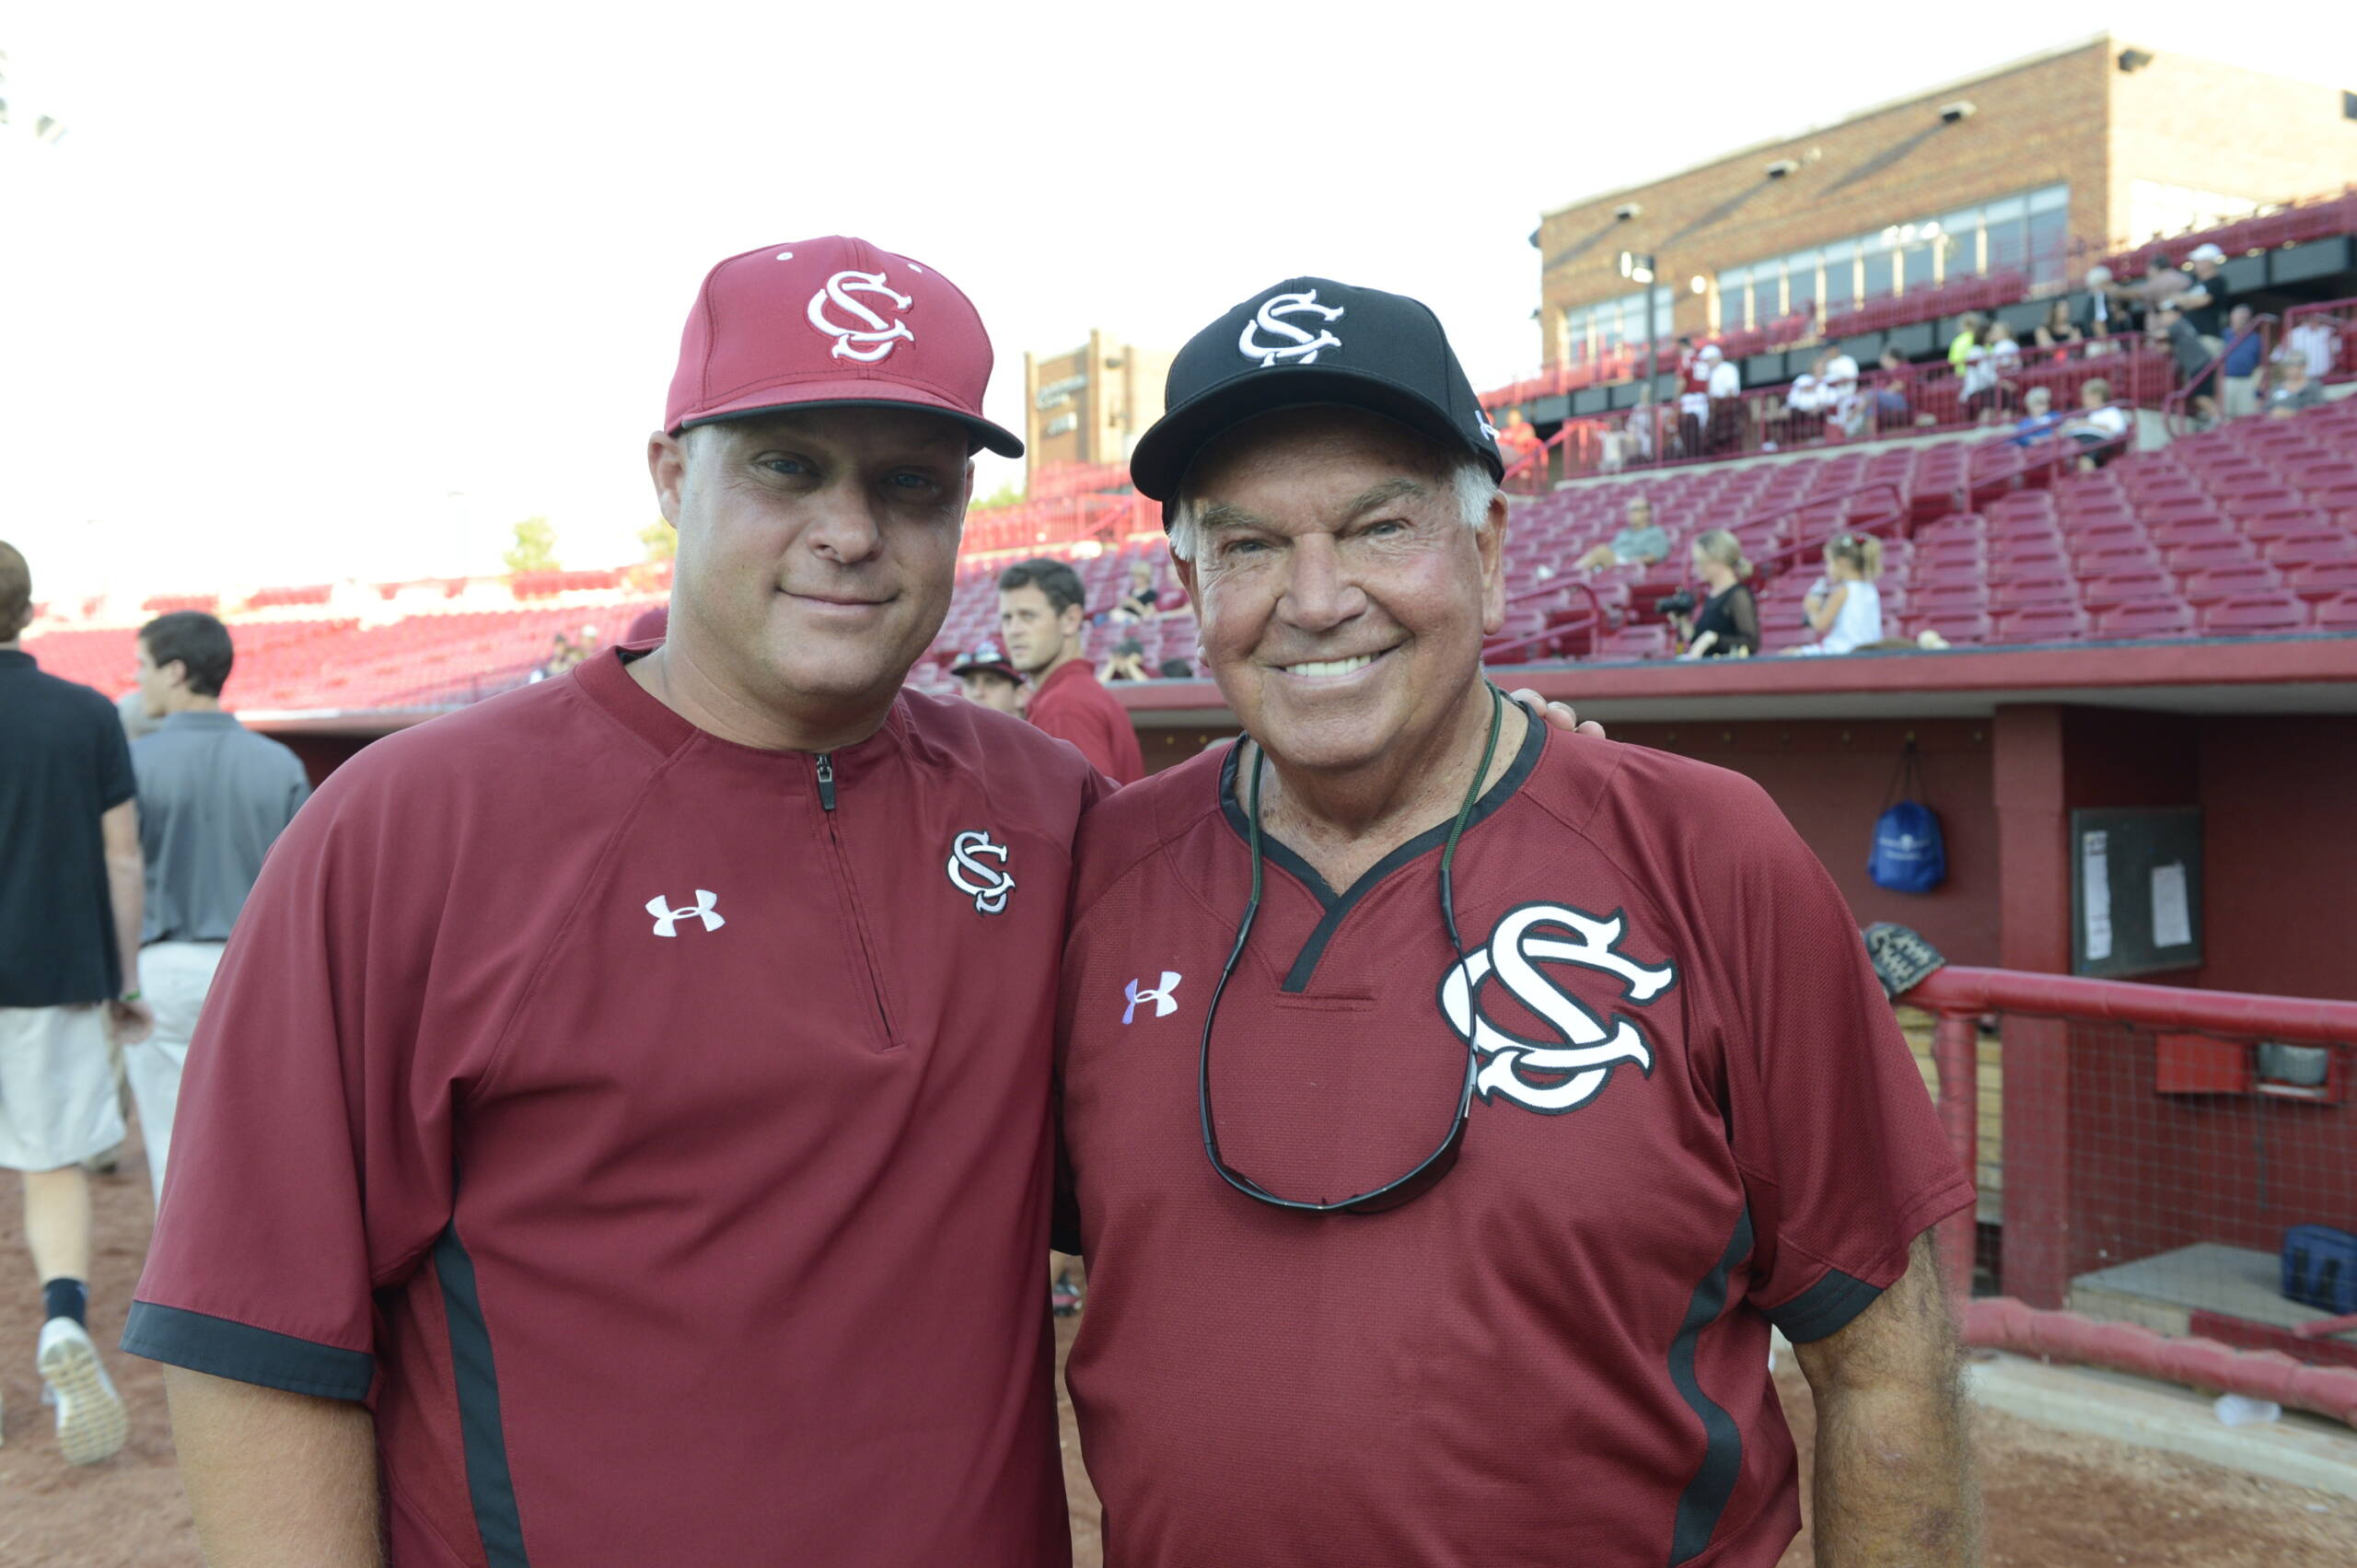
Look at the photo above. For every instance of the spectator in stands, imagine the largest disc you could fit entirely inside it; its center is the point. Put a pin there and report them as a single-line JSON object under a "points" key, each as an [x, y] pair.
{"points": [[1838, 391], [2294, 388], [986, 678], [1640, 541], [1042, 615], [1726, 625], [2057, 331], [1801, 417], [2314, 341], [1988, 368], [1967, 338], [70, 888], [2098, 424], [1844, 606], [213, 798], [1127, 662], [1693, 397], [2103, 316], [1178, 670], [2197, 318], [2039, 418], [1891, 407], [1141, 600], [1725, 387], [2238, 391]]}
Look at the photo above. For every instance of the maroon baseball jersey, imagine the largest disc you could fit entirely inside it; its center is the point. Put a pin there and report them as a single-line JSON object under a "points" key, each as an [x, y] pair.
{"points": [[1073, 705], [653, 1128], [1695, 1116]]}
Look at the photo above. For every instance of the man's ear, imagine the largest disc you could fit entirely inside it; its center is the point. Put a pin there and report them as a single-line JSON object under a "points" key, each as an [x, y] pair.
{"points": [[667, 465], [1491, 542]]}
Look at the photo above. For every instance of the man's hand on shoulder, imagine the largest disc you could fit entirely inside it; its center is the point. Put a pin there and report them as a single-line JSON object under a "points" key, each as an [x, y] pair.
{"points": [[1558, 714]]}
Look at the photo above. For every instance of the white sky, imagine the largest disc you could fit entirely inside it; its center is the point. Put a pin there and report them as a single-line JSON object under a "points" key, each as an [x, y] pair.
{"points": [[308, 292]]}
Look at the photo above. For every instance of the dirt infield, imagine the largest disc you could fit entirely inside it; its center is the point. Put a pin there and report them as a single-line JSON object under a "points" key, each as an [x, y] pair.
{"points": [[2053, 1500]]}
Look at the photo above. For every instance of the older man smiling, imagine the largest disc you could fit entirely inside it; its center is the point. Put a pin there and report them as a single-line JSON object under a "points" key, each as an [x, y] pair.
{"points": [[1451, 1108]]}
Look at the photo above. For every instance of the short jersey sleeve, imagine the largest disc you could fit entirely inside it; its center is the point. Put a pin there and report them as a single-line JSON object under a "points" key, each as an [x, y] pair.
{"points": [[1843, 1158], [311, 1152]]}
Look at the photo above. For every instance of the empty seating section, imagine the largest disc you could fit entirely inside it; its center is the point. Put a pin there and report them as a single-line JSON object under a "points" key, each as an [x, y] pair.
{"points": [[1986, 293], [418, 661], [2247, 530]]}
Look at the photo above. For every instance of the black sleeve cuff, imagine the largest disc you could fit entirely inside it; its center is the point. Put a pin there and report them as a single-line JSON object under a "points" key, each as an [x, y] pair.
{"points": [[241, 1351], [1825, 1307]]}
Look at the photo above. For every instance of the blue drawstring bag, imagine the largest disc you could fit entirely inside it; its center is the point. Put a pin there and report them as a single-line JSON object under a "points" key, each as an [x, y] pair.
{"points": [[1909, 855]]}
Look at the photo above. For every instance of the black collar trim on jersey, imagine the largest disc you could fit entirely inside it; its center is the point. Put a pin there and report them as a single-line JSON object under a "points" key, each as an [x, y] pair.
{"points": [[1338, 906]]}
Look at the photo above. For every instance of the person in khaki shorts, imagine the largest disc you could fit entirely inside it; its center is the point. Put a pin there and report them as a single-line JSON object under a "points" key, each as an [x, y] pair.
{"points": [[213, 798], [70, 906]]}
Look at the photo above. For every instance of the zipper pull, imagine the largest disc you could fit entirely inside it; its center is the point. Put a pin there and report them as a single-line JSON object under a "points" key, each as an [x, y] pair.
{"points": [[826, 781]]}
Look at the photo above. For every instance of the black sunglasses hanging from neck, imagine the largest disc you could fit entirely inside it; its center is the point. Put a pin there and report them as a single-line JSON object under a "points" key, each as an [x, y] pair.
{"points": [[1427, 1172]]}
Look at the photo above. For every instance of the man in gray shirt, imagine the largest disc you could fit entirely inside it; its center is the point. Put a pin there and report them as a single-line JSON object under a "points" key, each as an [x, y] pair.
{"points": [[213, 798]]}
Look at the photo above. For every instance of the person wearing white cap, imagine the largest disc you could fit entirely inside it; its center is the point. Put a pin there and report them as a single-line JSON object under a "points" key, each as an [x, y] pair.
{"points": [[2203, 308]]}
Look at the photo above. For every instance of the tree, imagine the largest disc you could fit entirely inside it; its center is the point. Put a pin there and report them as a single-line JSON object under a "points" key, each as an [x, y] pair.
{"points": [[662, 542], [535, 547], [1004, 495]]}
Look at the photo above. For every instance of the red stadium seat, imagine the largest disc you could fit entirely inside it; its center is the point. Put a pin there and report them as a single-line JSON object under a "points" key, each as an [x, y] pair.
{"points": [[2042, 623], [2209, 555], [2146, 618], [2338, 613], [2230, 582], [1956, 626], [2256, 615], [2321, 580], [2010, 596], [2124, 588], [2297, 550]]}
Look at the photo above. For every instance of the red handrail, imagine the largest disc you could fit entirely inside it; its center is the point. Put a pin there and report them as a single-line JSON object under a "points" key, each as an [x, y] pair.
{"points": [[2173, 406], [1958, 996], [1769, 566], [1595, 618]]}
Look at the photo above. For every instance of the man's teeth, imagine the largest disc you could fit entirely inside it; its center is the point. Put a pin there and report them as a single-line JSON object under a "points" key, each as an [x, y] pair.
{"points": [[1332, 665]]}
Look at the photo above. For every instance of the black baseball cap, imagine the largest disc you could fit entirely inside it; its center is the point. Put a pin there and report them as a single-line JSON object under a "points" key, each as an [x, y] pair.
{"points": [[1309, 340]]}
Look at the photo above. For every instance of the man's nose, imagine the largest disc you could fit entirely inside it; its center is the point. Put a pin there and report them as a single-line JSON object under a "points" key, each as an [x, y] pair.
{"points": [[842, 526], [1321, 592]]}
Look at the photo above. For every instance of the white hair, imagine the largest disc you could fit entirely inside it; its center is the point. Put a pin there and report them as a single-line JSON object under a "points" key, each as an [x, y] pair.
{"points": [[1468, 479]]}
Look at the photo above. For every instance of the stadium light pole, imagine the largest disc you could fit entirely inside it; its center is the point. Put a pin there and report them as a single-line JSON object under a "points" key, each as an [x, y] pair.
{"points": [[1644, 269]]}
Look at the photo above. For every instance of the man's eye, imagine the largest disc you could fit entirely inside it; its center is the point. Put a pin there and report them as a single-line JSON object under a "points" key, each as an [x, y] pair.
{"points": [[912, 483], [1385, 528], [1242, 547], [790, 467]]}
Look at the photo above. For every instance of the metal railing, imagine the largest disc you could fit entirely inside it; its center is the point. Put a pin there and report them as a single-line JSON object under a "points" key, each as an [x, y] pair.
{"points": [[2209, 380], [2139, 1072], [1908, 400]]}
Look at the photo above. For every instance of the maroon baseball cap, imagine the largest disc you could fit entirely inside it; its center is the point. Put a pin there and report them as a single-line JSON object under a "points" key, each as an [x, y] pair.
{"points": [[987, 657], [828, 324]]}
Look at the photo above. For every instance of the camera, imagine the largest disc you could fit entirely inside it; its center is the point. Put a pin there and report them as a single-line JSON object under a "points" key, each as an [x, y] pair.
{"points": [[1679, 603]]}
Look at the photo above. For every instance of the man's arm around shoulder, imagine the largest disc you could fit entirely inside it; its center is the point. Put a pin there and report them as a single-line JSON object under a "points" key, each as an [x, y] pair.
{"points": [[275, 1479], [1894, 1483]]}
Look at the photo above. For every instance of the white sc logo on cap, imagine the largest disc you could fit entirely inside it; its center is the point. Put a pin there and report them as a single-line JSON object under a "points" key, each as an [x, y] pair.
{"points": [[871, 338]]}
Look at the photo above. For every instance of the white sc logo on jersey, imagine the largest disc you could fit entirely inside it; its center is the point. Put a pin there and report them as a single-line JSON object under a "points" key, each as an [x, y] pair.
{"points": [[1565, 1073], [987, 886], [1297, 343], [1163, 1003], [870, 337], [666, 919]]}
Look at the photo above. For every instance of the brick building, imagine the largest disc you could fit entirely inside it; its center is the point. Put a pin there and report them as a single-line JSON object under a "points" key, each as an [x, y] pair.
{"points": [[2039, 166], [1091, 403]]}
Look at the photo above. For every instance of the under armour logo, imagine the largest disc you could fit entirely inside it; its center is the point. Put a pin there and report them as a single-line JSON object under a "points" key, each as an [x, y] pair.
{"points": [[1160, 996], [666, 919], [1299, 345], [875, 340], [988, 885], [1563, 1073]]}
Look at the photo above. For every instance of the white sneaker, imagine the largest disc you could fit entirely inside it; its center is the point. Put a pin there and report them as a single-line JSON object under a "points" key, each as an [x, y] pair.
{"points": [[91, 1421]]}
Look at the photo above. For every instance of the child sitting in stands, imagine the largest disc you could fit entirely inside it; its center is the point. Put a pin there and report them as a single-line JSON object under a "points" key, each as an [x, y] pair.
{"points": [[1844, 607]]}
